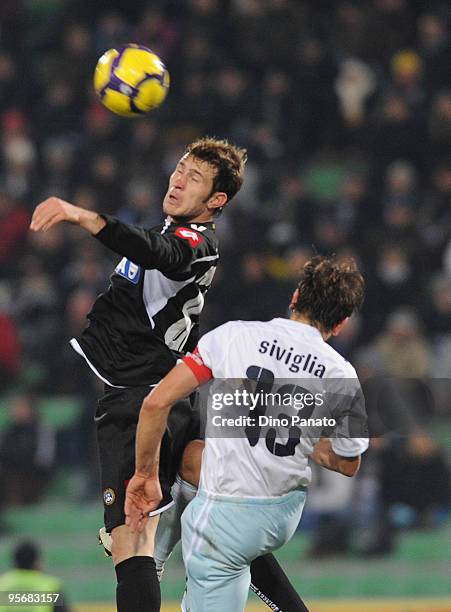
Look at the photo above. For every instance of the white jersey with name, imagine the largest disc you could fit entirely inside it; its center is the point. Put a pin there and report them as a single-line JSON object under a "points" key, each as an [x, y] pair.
{"points": [[252, 463]]}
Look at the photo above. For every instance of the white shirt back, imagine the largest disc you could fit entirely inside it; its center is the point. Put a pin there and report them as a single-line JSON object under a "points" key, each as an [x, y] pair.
{"points": [[288, 351]]}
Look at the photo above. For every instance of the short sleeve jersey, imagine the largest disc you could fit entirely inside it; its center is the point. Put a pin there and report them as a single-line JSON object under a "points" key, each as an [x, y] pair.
{"points": [[283, 350]]}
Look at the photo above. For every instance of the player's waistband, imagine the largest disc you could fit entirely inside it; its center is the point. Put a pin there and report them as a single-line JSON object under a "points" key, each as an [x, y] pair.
{"points": [[107, 383], [253, 501]]}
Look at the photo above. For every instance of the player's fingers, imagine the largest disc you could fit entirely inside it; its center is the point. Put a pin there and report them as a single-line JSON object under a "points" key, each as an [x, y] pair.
{"points": [[41, 220], [127, 507], [131, 520], [136, 514], [50, 209], [52, 221], [131, 508], [138, 522], [132, 524], [37, 221], [142, 522], [39, 215]]}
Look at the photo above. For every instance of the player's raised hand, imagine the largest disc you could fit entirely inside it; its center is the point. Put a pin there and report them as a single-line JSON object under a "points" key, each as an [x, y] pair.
{"points": [[53, 211], [141, 497]]}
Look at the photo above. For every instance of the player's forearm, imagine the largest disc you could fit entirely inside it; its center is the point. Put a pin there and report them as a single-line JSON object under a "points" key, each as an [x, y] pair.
{"points": [[179, 383], [150, 431], [324, 455], [90, 221]]}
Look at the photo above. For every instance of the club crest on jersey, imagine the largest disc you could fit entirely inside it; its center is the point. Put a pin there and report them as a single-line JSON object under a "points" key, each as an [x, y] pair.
{"points": [[193, 237], [109, 496], [128, 270]]}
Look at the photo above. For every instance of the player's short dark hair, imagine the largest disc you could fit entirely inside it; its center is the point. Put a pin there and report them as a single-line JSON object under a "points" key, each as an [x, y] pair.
{"points": [[26, 555], [227, 159], [330, 290]]}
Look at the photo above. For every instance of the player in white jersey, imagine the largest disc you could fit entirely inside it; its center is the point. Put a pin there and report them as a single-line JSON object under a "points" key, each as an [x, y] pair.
{"points": [[255, 472]]}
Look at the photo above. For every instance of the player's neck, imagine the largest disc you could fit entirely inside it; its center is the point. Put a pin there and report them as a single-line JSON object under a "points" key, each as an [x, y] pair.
{"points": [[199, 219], [205, 217], [300, 318]]}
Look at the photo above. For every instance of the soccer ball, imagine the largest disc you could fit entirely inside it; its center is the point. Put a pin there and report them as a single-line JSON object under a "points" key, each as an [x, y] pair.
{"points": [[131, 80]]}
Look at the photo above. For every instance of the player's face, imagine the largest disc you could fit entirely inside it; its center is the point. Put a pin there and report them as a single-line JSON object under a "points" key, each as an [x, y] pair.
{"points": [[190, 189]]}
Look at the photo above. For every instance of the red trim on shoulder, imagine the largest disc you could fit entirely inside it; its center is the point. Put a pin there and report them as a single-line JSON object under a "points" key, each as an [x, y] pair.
{"points": [[197, 366], [193, 237]]}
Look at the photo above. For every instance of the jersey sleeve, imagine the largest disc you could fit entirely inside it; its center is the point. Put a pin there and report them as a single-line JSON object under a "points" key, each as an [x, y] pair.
{"points": [[349, 447], [173, 253], [197, 366], [210, 353], [350, 437]]}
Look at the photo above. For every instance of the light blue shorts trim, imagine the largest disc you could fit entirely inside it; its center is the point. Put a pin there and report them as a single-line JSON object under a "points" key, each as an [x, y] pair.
{"points": [[222, 535]]}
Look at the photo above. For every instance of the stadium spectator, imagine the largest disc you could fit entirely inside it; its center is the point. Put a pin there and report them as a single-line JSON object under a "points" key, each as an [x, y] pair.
{"points": [[27, 454], [438, 314], [434, 45], [10, 349], [406, 466], [402, 347], [14, 221], [28, 577], [435, 217], [329, 513]]}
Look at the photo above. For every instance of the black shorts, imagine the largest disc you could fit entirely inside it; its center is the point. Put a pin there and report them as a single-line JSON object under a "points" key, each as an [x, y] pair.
{"points": [[116, 420]]}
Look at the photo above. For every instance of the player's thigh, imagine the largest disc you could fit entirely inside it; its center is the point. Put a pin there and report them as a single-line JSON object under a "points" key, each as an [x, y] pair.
{"points": [[235, 532], [215, 588], [209, 531], [217, 578], [192, 462], [116, 419]]}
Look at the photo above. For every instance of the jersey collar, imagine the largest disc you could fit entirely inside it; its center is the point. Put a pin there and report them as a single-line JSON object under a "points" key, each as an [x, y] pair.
{"points": [[195, 226], [309, 330]]}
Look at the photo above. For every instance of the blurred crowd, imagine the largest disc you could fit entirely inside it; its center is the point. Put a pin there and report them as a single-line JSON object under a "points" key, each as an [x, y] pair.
{"points": [[345, 109]]}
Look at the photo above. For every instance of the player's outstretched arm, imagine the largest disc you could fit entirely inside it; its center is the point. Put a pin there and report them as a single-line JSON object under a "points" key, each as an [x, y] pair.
{"points": [[324, 455], [145, 247], [143, 492], [52, 211]]}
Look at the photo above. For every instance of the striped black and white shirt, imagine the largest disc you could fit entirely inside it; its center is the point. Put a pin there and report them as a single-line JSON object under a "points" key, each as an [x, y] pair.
{"points": [[150, 313]]}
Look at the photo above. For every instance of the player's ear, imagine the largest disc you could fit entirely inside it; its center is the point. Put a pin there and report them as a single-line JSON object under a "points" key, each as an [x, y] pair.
{"points": [[338, 328], [217, 200], [294, 299]]}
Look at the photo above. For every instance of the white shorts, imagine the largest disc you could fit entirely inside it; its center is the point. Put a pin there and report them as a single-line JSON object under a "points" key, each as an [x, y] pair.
{"points": [[222, 535]]}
